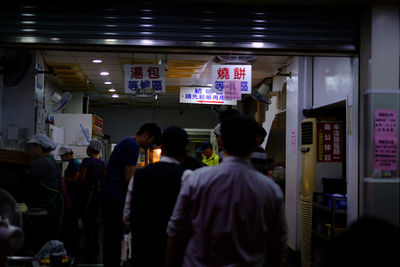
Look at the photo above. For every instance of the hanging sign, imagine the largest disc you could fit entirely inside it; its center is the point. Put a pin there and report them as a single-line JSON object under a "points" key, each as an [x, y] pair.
{"points": [[386, 141], [329, 142], [203, 95], [222, 74], [144, 77], [232, 90]]}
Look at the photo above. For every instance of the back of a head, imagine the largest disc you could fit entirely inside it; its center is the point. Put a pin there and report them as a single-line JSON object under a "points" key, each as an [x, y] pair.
{"points": [[225, 115], [152, 129], [192, 163], [238, 135], [173, 141], [370, 241]]}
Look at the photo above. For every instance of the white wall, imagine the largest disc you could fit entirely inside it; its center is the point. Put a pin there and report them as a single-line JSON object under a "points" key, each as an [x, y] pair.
{"points": [[75, 105], [333, 80], [19, 102], [122, 122], [272, 109]]}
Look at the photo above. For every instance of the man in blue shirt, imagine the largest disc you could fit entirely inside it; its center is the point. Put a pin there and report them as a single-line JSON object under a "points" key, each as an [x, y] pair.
{"points": [[120, 169]]}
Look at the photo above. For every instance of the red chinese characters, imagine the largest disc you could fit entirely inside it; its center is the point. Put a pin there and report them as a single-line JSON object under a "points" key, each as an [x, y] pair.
{"points": [[136, 73], [153, 73], [239, 73], [329, 142], [223, 73]]}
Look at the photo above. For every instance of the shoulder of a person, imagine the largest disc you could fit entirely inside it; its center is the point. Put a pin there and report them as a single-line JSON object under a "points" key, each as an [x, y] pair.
{"points": [[269, 183]]}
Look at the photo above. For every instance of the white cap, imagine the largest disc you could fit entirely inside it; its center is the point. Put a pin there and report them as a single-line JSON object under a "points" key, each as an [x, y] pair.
{"points": [[95, 144], [64, 150], [217, 129], [42, 140]]}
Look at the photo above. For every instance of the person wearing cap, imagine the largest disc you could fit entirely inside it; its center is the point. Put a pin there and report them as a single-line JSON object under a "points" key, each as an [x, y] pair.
{"points": [[91, 176], [120, 169], [47, 185], [151, 198], [71, 173], [209, 156], [71, 181]]}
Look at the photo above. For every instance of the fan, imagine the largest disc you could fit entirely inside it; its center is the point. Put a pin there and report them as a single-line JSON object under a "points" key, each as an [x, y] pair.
{"points": [[263, 90], [61, 101], [14, 68]]}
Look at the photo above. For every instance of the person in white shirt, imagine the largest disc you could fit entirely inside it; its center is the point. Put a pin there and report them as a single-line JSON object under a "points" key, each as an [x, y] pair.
{"points": [[151, 198], [229, 215]]}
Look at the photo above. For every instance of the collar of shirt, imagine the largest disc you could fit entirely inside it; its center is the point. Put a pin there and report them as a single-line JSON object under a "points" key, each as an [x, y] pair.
{"points": [[168, 160], [236, 160]]}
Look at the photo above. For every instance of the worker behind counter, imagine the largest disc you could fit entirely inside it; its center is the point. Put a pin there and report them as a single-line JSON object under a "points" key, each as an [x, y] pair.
{"points": [[46, 190], [209, 156]]}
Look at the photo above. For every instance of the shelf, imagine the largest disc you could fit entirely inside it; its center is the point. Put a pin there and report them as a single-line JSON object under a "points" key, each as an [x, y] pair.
{"points": [[329, 209]]}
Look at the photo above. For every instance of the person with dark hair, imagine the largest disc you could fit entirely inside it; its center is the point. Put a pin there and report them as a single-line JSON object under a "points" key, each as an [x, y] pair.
{"points": [[71, 180], [229, 215], [120, 169], [259, 157], [227, 114], [91, 176], [369, 241], [223, 116], [151, 198], [192, 163], [47, 186]]}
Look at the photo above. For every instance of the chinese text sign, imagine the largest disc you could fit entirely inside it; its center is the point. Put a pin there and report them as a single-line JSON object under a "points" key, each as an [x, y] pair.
{"points": [[222, 76], [386, 149], [203, 95], [329, 142], [144, 77]]}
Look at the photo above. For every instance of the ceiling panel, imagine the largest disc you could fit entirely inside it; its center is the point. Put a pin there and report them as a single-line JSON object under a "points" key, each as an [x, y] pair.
{"points": [[75, 69]]}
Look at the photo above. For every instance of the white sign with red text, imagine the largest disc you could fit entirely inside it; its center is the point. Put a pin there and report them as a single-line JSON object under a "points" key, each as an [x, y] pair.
{"points": [[144, 76], [240, 74], [203, 95]]}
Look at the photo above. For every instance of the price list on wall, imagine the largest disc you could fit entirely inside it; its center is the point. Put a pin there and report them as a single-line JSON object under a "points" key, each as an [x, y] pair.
{"points": [[386, 144]]}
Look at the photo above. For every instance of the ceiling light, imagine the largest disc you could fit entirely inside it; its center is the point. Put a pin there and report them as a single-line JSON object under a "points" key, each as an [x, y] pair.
{"points": [[28, 30], [107, 82], [97, 61], [28, 22], [147, 42], [115, 96], [111, 40], [208, 43], [104, 73], [257, 44], [146, 17], [27, 15], [55, 39], [260, 21], [111, 90], [146, 25]]}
